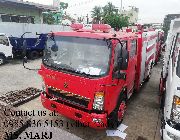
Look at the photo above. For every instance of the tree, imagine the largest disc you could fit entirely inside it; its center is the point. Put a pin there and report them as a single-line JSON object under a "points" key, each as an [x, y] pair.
{"points": [[109, 9], [109, 14], [117, 21], [55, 17], [63, 5], [48, 18], [113, 18], [96, 14]]}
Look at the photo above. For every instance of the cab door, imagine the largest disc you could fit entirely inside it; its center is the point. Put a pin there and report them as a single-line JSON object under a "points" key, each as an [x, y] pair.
{"points": [[131, 72], [5, 46]]}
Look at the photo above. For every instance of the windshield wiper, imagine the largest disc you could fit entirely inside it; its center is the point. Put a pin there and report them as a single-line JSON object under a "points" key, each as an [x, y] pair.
{"points": [[64, 67], [67, 67], [85, 74]]}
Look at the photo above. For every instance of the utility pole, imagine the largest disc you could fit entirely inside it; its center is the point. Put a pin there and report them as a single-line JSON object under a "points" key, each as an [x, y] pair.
{"points": [[87, 19], [121, 6]]}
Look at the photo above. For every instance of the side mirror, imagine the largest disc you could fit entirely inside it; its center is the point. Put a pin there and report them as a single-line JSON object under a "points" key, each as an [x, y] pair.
{"points": [[125, 59], [54, 48]]}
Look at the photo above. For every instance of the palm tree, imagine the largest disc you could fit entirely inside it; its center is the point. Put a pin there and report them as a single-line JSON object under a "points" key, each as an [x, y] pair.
{"points": [[109, 9], [96, 14]]}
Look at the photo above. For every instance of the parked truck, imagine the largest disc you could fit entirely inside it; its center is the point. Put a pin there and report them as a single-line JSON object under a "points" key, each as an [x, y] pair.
{"points": [[170, 85], [5, 48], [90, 73], [34, 45]]}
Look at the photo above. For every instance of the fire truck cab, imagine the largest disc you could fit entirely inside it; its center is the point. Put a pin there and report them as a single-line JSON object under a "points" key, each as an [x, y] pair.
{"points": [[169, 84], [89, 74]]}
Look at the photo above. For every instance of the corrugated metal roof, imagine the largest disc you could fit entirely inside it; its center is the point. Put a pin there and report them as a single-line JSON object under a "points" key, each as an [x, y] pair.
{"points": [[29, 5]]}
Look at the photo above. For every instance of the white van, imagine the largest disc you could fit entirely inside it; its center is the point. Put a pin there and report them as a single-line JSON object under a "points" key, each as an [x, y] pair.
{"points": [[5, 48], [170, 85]]}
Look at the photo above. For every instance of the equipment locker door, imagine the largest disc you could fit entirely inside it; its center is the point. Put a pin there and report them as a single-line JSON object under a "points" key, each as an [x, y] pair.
{"points": [[131, 66]]}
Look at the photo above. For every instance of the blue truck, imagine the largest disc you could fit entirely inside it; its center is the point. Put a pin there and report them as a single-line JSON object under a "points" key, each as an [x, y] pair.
{"points": [[34, 46]]}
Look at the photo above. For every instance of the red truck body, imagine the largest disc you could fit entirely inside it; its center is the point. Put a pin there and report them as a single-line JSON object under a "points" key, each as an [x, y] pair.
{"points": [[74, 95]]}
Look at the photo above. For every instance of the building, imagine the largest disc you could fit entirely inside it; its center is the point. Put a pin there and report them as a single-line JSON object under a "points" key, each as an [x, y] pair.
{"points": [[22, 12], [132, 14], [167, 22]]}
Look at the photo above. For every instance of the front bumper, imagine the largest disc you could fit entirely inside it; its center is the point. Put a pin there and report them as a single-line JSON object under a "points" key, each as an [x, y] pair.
{"points": [[85, 118], [170, 133]]}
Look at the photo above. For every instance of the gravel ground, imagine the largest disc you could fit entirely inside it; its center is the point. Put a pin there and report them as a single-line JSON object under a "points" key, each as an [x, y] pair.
{"points": [[14, 77], [141, 117]]}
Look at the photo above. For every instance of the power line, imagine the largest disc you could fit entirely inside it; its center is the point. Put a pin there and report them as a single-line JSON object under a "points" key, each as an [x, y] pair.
{"points": [[81, 3]]}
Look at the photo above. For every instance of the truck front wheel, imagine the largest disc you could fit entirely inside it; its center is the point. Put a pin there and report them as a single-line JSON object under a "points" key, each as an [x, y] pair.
{"points": [[33, 55], [2, 60], [117, 115]]}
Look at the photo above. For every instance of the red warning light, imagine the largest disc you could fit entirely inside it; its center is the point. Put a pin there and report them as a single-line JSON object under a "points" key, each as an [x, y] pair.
{"points": [[92, 27]]}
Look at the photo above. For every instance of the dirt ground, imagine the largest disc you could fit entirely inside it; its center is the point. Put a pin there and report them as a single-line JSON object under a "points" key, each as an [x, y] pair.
{"points": [[141, 116]]}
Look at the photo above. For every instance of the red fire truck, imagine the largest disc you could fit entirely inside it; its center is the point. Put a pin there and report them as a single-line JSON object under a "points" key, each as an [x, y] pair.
{"points": [[89, 74]]}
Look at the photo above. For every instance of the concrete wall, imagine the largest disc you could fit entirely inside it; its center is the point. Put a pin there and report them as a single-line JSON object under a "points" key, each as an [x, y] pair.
{"points": [[17, 29], [19, 10]]}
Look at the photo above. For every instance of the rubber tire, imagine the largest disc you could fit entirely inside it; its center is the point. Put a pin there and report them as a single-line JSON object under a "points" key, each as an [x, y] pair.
{"points": [[34, 55], [3, 59], [162, 102], [113, 121], [162, 99]]}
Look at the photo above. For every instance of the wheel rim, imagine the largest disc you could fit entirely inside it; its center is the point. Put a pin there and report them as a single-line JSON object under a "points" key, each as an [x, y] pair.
{"points": [[122, 110], [1, 61]]}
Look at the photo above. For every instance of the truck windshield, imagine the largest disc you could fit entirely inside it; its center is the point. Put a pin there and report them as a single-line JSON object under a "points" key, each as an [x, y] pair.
{"points": [[79, 55], [4, 40]]}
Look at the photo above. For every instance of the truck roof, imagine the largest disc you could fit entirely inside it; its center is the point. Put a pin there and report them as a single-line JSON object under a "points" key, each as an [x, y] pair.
{"points": [[2, 34], [98, 35]]}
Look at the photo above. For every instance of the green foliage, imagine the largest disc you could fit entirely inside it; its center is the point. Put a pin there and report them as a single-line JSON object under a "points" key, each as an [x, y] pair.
{"points": [[55, 17], [97, 13], [109, 14], [63, 5], [109, 9], [48, 19], [117, 21]]}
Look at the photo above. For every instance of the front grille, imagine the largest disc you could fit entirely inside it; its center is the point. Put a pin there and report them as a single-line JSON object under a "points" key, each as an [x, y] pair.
{"points": [[69, 97]]}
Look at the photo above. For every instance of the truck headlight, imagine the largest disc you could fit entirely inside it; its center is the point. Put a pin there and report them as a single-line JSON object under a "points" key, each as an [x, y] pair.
{"points": [[98, 101], [175, 114]]}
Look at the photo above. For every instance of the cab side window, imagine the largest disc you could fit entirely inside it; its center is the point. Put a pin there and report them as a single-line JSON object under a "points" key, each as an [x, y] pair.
{"points": [[117, 55], [133, 48], [175, 52], [4, 40]]}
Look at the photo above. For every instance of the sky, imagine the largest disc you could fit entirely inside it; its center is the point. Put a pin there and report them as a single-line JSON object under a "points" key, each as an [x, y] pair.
{"points": [[150, 11]]}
